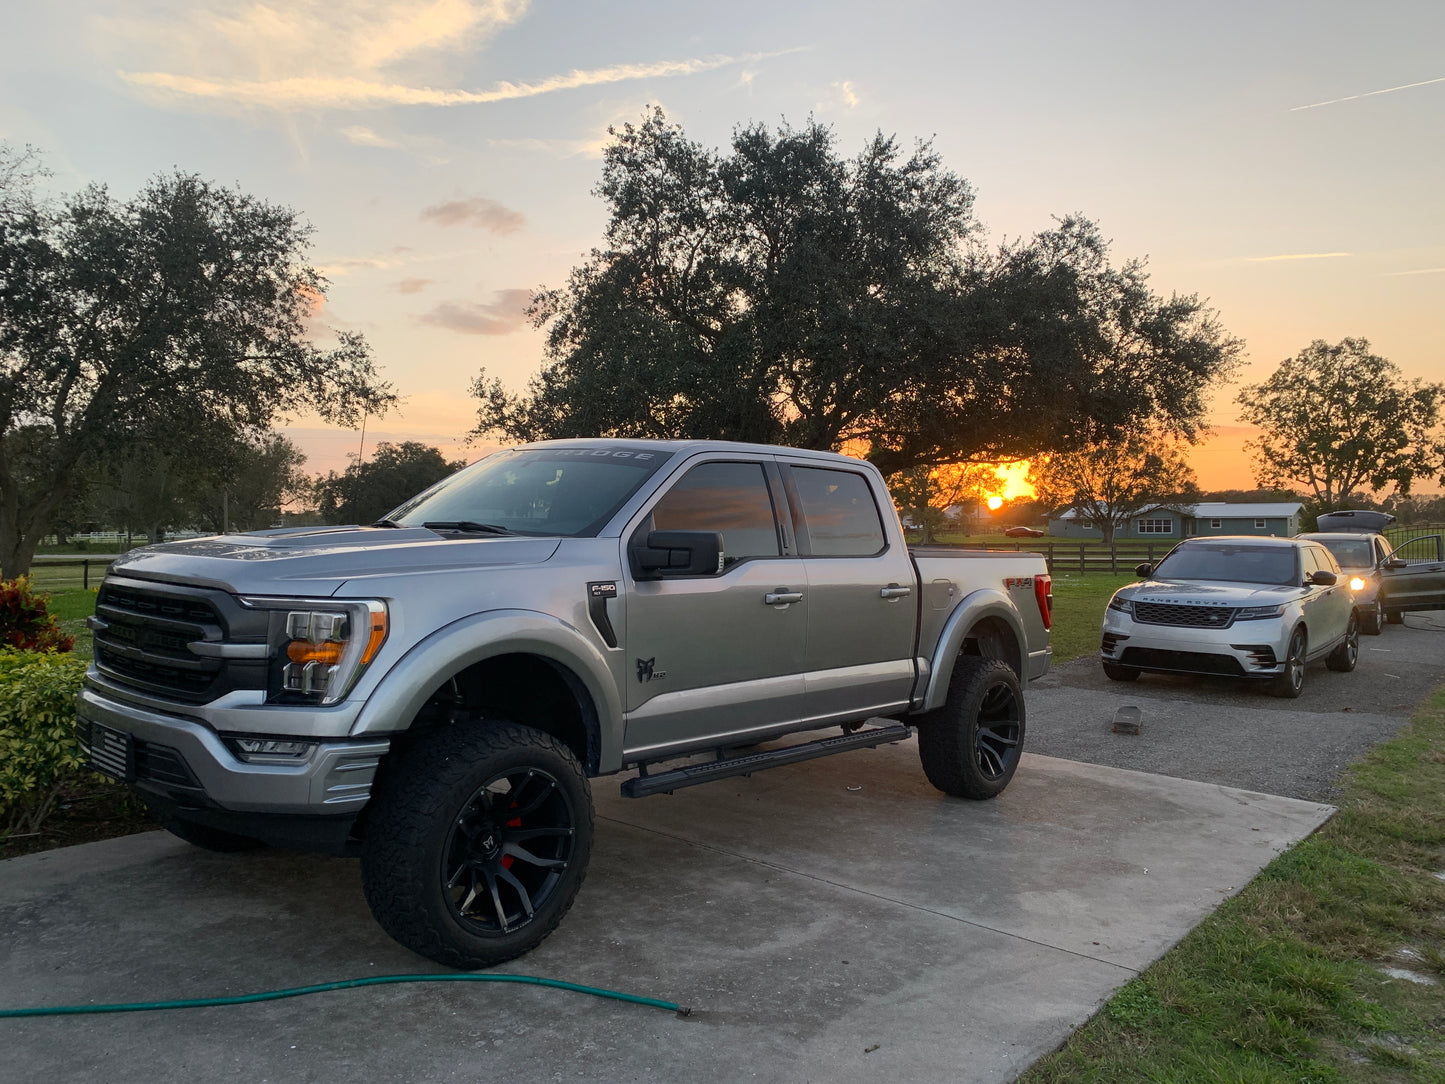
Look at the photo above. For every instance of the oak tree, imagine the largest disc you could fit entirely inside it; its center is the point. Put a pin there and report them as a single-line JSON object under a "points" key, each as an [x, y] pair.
{"points": [[182, 311], [1339, 419], [778, 292], [1114, 480]]}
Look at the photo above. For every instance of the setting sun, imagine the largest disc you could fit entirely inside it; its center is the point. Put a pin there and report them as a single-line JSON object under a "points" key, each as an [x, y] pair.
{"points": [[994, 503]]}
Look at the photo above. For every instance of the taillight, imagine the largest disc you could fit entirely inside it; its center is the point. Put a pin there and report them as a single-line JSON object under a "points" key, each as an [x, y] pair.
{"points": [[1044, 595]]}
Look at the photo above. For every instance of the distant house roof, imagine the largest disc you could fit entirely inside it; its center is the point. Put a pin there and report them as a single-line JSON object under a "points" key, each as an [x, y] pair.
{"points": [[1225, 510], [1211, 510]]}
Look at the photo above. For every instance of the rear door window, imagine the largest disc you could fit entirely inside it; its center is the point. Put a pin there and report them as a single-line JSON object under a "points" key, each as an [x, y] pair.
{"points": [[837, 514]]}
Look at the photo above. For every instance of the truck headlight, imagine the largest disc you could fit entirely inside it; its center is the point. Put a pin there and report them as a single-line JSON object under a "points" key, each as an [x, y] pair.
{"points": [[1356, 584], [320, 647]]}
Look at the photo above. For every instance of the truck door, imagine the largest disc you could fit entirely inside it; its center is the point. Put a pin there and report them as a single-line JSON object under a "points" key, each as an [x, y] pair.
{"points": [[720, 652], [862, 595]]}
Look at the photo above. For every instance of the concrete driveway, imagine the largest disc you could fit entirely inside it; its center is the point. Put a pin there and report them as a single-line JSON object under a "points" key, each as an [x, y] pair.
{"points": [[831, 921]]}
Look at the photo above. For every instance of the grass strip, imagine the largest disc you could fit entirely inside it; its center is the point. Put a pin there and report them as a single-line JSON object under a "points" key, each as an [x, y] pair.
{"points": [[1290, 980]]}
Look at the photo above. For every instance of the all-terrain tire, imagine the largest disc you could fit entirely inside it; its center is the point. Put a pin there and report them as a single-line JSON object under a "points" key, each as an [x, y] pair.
{"points": [[1395, 617], [1344, 657], [1114, 672], [477, 842], [970, 747]]}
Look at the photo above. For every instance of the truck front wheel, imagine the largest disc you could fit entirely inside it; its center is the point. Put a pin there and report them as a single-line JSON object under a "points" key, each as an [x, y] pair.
{"points": [[970, 747], [477, 842]]}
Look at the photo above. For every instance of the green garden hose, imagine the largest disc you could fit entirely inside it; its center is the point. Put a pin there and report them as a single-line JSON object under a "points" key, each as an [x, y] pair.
{"points": [[346, 984]]}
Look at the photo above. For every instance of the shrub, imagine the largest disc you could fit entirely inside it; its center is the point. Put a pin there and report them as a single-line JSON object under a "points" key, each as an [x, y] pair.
{"points": [[24, 621], [38, 749]]}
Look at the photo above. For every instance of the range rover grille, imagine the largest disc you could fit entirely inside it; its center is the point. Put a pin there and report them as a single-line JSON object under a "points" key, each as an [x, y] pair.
{"points": [[1199, 617]]}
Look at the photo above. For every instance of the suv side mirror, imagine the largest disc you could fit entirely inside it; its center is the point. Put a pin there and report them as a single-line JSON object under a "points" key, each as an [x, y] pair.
{"points": [[1143, 570], [677, 553], [1323, 578]]}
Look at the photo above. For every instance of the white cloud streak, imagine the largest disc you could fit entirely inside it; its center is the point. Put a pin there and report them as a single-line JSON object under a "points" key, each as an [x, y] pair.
{"points": [[1368, 94], [1298, 256], [350, 92], [1422, 271]]}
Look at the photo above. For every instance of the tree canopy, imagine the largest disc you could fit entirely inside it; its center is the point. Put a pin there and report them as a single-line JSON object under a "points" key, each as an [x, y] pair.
{"points": [[1112, 481], [783, 294], [181, 315], [366, 491], [1337, 419]]}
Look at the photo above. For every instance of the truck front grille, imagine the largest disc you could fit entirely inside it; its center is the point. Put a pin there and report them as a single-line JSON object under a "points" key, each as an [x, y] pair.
{"points": [[142, 633]]}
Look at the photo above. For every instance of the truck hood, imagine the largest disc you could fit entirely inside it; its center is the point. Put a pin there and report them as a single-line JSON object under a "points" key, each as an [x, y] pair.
{"points": [[1179, 593], [317, 561]]}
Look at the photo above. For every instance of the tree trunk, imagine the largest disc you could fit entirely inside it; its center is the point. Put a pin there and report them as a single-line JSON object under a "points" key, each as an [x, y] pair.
{"points": [[1107, 529]]}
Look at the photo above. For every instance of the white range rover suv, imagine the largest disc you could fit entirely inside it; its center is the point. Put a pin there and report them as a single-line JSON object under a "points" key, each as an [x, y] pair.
{"points": [[1250, 607]]}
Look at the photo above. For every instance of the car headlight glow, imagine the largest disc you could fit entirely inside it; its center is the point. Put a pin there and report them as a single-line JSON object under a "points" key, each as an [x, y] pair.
{"points": [[1356, 584]]}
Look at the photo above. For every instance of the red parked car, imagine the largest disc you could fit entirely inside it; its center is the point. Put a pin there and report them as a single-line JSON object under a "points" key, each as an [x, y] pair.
{"points": [[1023, 532]]}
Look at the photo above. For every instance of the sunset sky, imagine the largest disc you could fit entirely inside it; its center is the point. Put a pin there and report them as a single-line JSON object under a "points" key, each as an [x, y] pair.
{"points": [[1284, 160]]}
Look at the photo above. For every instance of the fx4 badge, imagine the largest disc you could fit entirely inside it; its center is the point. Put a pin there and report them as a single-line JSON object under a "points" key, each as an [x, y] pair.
{"points": [[1013, 582], [646, 672]]}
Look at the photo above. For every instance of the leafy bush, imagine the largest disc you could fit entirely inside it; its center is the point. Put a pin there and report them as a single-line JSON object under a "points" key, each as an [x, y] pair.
{"points": [[24, 622], [38, 748]]}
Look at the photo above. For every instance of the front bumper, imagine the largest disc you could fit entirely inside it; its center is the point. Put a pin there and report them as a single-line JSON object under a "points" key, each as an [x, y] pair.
{"points": [[1250, 649], [182, 762]]}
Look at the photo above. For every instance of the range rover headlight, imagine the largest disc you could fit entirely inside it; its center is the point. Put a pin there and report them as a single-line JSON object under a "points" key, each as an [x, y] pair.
{"points": [[1122, 605], [321, 647], [1259, 613]]}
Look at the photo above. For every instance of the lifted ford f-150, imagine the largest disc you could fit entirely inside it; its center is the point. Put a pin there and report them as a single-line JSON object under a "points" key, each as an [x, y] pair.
{"points": [[433, 692]]}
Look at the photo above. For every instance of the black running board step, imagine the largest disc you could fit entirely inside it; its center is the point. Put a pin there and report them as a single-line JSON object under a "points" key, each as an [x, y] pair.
{"points": [[693, 774]]}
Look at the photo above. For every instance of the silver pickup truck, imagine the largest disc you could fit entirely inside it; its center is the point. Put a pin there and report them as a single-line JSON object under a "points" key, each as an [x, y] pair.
{"points": [[433, 692]]}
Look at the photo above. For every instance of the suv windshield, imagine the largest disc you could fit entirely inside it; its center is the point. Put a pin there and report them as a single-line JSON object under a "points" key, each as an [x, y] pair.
{"points": [[543, 491], [1349, 552], [1275, 565]]}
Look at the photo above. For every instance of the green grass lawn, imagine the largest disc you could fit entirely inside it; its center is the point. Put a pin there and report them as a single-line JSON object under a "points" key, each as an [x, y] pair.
{"points": [[1079, 601]]}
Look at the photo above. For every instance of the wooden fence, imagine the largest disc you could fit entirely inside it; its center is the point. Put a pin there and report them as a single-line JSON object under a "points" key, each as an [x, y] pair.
{"points": [[68, 573]]}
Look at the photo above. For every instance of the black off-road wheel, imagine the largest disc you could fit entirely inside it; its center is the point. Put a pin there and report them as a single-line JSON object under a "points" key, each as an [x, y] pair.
{"points": [[1344, 657], [1291, 680], [477, 842], [1395, 617], [970, 747], [1114, 672]]}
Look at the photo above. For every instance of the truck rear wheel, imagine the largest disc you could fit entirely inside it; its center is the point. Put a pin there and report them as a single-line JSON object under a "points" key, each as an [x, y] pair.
{"points": [[970, 747], [477, 842]]}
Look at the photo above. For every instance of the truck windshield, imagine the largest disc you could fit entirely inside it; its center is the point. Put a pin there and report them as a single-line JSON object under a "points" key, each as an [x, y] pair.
{"points": [[1275, 565], [545, 491]]}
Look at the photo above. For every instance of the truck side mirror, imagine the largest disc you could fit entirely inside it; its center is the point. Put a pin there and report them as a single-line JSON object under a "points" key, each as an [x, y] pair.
{"points": [[677, 553], [1396, 562], [1143, 570]]}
